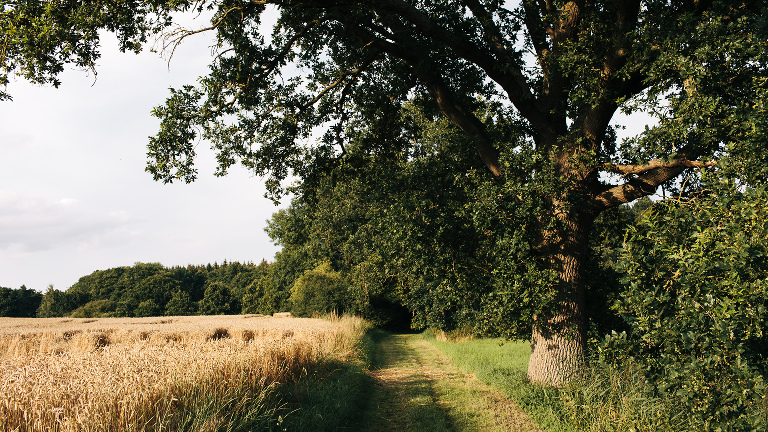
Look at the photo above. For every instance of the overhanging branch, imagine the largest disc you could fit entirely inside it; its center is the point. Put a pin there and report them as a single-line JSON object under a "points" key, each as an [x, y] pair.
{"points": [[654, 164], [343, 75], [440, 92], [647, 179], [501, 68]]}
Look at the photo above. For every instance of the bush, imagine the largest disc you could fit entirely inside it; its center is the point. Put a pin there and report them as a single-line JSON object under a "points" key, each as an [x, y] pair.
{"points": [[320, 290], [696, 288], [95, 309], [148, 308]]}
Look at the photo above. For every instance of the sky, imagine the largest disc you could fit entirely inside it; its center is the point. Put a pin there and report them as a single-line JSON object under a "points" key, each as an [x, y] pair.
{"points": [[74, 196]]}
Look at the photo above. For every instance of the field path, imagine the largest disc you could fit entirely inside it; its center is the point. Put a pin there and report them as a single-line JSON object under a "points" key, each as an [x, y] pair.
{"points": [[418, 389]]}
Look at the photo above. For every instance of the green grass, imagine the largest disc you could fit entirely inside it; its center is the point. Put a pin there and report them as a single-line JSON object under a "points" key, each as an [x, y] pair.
{"points": [[337, 396], [330, 398], [418, 392], [605, 400]]}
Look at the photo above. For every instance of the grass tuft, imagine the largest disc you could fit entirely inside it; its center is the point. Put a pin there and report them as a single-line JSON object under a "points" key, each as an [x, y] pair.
{"points": [[219, 333]]}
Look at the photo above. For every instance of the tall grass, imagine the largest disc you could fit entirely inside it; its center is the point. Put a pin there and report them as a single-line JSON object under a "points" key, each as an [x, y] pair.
{"points": [[604, 399], [179, 373]]}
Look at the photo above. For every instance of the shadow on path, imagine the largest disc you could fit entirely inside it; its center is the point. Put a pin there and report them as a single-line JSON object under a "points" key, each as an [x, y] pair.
{"points": [[416, 388]]}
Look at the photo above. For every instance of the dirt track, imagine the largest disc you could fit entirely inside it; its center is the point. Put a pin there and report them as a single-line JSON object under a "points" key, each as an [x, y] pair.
{"points": [[418, 389]]}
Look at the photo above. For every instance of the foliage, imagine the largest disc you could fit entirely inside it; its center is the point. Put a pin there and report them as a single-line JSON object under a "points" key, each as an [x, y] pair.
{"points": [[696, 278], [154, 290], [603, 277], [394, 226], [54, 304], [180, 304], [422, 249], [148, 308], [96, 309], [320, 291], [217, 299], [22, 302], [255, 299]]}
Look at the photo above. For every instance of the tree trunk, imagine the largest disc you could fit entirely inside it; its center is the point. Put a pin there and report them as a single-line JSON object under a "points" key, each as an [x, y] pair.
{"points": [[557, 342]]}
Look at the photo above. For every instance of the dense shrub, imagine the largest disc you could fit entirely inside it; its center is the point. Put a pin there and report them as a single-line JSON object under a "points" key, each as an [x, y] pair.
{"points": [[320, 290], [696, 288], [95, 309]]}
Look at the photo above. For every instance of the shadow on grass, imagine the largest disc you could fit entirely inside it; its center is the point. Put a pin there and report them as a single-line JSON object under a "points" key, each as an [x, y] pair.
{"points": [[353, 396], [334, 397]]}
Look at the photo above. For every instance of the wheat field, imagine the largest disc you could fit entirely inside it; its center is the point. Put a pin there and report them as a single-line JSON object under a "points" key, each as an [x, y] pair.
{"points": [[170, 373]]}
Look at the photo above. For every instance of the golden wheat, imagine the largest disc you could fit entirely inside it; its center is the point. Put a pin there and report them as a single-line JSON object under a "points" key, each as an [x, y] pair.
{"points": [[134, 374]]}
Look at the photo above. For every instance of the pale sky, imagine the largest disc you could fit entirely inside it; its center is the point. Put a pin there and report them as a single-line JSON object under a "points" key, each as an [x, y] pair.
{"points": [[74, 197]]}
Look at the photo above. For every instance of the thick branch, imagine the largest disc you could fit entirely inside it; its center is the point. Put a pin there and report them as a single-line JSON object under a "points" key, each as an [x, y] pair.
{"points": [[538, 31], [638, 187], [568, 22], [594, 121], [649, 178], [504, 71], [442, 95], [465, 120], [550, 39], [492, 32], [654, 164]]}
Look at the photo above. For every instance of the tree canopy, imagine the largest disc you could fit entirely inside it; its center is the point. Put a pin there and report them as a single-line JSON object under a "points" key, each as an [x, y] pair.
{"points": [[532, 86]]}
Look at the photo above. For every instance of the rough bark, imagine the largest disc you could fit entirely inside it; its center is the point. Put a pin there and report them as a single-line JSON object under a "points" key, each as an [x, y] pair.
{"points": [[557, 342], [555, 359]]}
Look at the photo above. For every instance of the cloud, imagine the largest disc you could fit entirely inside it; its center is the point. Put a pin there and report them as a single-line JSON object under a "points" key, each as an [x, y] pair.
{"points": [[35, 224]]}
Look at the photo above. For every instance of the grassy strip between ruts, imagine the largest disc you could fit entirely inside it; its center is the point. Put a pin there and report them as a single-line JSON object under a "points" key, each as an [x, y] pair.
{"points": [[604, 400]]}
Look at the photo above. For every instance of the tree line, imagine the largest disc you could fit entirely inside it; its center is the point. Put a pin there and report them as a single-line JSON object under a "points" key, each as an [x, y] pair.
{"points": [[150, 289], [22, 302]]}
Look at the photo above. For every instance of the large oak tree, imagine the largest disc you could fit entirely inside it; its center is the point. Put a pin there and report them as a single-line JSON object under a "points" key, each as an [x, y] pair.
{"points": [[558, 71]]}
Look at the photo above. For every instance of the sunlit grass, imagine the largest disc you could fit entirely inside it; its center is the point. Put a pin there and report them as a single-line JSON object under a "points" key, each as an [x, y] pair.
{"points": [[605, 399]]}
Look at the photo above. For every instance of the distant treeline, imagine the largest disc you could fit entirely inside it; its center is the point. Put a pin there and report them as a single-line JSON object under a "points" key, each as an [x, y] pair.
{"points": [[150, 289], [20, 302]]}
